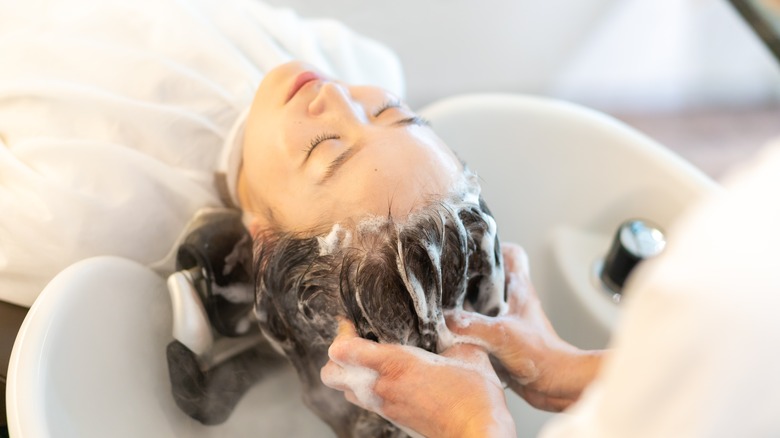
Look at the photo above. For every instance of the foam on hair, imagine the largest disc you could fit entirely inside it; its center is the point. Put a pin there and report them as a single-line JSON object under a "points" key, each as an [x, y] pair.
{"points": [[393, 279]]}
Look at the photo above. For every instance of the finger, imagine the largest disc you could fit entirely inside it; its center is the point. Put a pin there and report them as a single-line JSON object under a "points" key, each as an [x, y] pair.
{"points": [[518, 292], [463, 351], [469, 353], [348, 349], [364, 398], [346, 328], [352, 398], [333, 375], [515, 258], [345, 342], [356, 383], [541, 400], [478, 329]]}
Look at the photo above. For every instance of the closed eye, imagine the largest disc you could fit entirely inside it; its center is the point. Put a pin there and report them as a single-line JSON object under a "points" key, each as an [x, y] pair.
{"points": [[413, 120], [393, 103], [319, 139]]}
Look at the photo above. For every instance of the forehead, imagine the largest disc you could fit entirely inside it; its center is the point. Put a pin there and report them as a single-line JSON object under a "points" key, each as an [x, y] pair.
{"points": [[393, 172]]}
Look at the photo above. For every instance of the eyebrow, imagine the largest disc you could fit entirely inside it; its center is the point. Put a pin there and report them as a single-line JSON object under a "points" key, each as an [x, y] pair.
{"points": [[414, 120], [337, 163]]}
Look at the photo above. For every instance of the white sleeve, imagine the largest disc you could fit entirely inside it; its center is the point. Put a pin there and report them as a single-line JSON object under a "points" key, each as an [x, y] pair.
{"points": [[696, 354], [334, 48]]}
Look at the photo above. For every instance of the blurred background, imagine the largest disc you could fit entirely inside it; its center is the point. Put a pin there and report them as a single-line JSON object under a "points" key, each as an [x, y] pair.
{"points": [[690, 73]]}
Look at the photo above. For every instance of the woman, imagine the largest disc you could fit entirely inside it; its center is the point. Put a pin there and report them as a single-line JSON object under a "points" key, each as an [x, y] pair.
{"points": [[357, 210]]}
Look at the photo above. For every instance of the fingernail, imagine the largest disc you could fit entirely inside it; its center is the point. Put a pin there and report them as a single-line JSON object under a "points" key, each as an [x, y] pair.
{"points": [[345, 326]]}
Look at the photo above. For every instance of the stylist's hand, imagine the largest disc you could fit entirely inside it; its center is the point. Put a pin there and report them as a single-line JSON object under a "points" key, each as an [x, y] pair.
{"points": [[546, 371], [455, 394]]}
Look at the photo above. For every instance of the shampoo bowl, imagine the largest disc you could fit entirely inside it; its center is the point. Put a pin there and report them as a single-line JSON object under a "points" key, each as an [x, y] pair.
{"points": [[89, 360]]}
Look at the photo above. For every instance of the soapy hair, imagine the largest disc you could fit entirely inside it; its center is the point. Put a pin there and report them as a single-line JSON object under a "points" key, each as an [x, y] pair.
{"points": [[391, 279]]}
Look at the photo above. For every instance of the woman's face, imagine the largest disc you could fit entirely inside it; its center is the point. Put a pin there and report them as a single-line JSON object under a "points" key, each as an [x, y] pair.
{"points": [[318, 151]]}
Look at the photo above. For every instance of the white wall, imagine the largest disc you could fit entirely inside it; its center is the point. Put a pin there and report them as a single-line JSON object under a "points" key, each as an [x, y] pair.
{"points": [[669, 55], [611, 54], [455, 46]]}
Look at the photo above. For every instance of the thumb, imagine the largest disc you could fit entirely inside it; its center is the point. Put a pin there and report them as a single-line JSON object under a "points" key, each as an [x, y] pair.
{"points": [[467, 353], [488, 332]]}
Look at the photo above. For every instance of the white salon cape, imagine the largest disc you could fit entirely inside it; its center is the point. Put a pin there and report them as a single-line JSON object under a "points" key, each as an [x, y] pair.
{"points": [[697, 353], [114, 115]]}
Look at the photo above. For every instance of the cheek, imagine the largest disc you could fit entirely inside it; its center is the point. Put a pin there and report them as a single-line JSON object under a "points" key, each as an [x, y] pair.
{"points": [[265, 153], [296, 134]]}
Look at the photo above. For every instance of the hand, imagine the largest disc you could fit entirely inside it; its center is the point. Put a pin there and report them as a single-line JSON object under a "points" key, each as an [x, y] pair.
{"points": [[455, 394], [546, 371]]}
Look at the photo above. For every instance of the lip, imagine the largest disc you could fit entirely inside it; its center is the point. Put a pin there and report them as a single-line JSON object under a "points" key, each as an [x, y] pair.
{"points": [[302, 79]]}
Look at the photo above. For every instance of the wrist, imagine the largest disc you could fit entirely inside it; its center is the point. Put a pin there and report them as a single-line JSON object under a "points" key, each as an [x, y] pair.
{"points": [[572, 371], [495, 423], [491, 428]]}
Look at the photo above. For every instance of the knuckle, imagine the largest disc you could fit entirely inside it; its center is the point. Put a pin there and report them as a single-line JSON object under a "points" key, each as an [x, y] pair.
{"points": [[385, 389], [381, 388], [391, 370], [502, 335], [338, 350]]}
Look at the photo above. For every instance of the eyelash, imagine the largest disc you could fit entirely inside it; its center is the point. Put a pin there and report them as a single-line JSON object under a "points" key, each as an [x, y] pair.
{"points": [[319, 139], [323, 137], [386, 106]]}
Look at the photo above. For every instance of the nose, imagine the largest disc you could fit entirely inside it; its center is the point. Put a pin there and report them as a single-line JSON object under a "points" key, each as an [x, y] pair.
{"points": [[334, 98]]}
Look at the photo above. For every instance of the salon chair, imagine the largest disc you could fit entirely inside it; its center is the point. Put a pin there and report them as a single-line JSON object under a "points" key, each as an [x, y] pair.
{"points": [[89, 360], [11, 317]]}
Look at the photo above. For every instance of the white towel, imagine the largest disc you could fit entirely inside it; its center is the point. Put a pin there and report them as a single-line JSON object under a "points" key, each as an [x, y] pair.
{"points": [[113, 116]]}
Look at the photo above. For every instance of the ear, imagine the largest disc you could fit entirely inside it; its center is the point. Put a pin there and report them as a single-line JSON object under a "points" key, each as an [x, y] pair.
{"points": [[255, 223]]}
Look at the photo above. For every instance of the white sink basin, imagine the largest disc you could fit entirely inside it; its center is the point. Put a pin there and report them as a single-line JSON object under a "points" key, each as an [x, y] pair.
{"points": [[89, 360], [560, 179]]}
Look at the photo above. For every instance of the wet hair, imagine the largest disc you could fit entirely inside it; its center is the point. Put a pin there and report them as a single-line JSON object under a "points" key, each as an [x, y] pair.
{"points": [[391, 279]]}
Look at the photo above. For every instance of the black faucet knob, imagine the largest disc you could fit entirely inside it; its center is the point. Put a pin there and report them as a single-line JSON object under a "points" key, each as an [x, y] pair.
{"points": [[635, 240]]}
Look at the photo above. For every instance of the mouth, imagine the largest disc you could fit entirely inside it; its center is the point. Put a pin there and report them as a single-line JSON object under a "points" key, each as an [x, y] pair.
{"points": [[302, 79]]}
